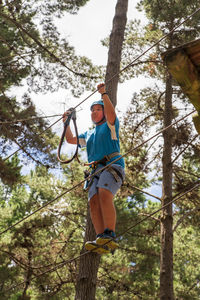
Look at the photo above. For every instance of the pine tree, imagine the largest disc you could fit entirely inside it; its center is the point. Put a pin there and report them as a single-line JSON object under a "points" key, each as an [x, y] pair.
{"points": [[33, 55]]}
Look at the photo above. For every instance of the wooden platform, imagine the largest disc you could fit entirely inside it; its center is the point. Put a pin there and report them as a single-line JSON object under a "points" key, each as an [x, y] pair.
{"points": [[183, 63]]}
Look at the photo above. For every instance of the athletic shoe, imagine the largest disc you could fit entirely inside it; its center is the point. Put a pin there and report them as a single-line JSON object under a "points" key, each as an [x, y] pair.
{"points": [[94, 247], [107, 239]]}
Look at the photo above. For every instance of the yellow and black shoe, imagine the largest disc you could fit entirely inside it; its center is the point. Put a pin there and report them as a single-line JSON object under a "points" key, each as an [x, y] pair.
{"points": [[94, 247], [107, 239]]}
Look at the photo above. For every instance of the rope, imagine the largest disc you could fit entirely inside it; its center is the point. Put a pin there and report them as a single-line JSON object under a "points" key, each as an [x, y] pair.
{"points": [[92, 175], [28, 119], [28, 142], [142, 191], [72, 116]]}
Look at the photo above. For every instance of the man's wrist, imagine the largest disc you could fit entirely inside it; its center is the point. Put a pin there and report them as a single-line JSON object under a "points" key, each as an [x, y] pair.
{"points": [[104, 94]]}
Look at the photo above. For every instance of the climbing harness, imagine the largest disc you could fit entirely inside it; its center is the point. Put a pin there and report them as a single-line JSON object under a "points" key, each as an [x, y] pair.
{"points": [[93, 166], [102, 161], [72, 116]]}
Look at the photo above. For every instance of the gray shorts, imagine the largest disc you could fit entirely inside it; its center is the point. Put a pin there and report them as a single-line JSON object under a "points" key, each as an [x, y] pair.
{"points": [[105, 180]]}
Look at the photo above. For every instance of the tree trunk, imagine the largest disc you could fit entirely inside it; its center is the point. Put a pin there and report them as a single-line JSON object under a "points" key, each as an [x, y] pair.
{"points": [[166, 262], [115, 49], [88, 267]]}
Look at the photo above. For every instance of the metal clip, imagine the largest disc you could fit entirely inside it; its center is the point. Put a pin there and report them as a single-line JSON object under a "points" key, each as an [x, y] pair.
{"points": [[86, 175]]}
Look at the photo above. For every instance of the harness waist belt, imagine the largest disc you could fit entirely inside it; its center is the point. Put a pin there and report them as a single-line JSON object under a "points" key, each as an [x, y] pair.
{"points": [[107, 158]]}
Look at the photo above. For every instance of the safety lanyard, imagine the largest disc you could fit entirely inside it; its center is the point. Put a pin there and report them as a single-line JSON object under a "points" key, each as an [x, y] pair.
{"points": [[72, 116]]}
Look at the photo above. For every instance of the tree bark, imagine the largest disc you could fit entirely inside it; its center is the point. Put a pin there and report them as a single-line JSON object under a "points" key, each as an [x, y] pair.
{"points": [[88, 267], [115, 49], [166, 262], [89, 263]]}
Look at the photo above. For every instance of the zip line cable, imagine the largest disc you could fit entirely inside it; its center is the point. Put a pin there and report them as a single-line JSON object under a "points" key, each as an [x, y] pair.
{"points": [[63, 263], [28, 142], [57, 59], [28, 119], [58, 115], [95, 173]]}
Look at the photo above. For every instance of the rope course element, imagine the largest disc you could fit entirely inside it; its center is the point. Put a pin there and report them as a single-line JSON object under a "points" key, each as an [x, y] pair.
{"points": [[65, 262], [66, 123], [57, 59], [95, 173]]}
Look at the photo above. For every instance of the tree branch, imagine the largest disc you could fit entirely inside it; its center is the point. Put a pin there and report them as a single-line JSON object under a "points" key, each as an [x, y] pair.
{"points": [[185, 216], [188, 144], [142, 191], [7, 18]]}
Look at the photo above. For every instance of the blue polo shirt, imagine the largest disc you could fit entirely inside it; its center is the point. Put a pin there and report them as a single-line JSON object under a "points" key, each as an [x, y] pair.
{"points": [[101, 141]]}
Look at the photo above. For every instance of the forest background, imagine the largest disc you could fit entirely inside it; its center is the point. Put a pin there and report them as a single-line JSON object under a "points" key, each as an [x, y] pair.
{"points": [[38, 255]]}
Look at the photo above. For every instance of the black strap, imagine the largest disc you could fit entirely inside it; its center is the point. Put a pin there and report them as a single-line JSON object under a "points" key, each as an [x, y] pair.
{"points": [[106, 158], [66, 124], [116, 173]]}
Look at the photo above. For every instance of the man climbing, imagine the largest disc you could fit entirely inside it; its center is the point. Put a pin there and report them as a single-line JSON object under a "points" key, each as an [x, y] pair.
{"points": [[102, 144]]}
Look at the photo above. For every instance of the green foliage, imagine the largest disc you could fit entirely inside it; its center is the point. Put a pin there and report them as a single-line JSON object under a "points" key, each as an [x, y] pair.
{"points": [[33, 55], [48, 238], [186, 262], [23, 135], [32, 48], [10, 170]]}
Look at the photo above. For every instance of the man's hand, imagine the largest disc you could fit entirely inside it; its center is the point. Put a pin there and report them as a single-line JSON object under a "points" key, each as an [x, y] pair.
{"points": [[66, 114], [101, 88]]}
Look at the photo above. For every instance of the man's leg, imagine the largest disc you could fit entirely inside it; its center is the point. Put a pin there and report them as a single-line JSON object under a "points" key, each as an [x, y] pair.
{"points": [[109, 219], [97, 220], [96, 214], [107, 209]]}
